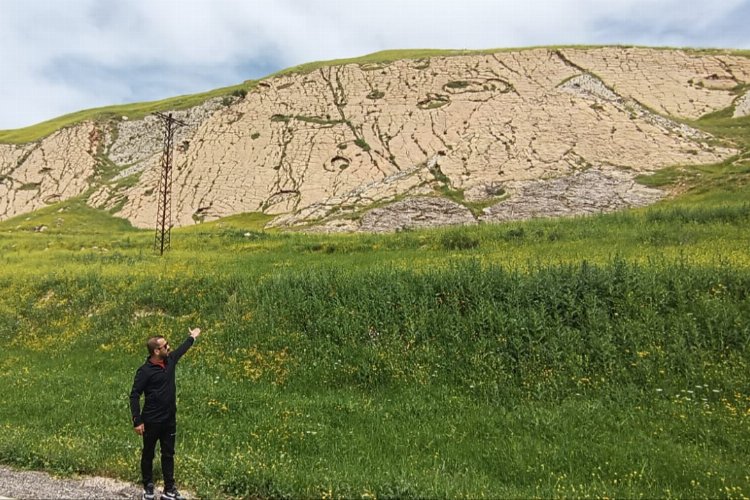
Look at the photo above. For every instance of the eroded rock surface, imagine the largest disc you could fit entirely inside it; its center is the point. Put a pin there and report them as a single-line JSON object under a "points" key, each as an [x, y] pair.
{"points": [[139, 140], [416, 213], [582, 193], [588, 192], [59, 167], [742, 106], [672, 82], [321, 146], [413, 213]]}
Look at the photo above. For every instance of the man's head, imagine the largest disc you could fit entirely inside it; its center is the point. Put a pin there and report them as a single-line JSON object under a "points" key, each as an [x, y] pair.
{"points": [[158, 346]]}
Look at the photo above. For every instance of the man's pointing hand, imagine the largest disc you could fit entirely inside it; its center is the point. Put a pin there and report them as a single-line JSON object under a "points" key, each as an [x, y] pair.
{"points": [[195, 332]]}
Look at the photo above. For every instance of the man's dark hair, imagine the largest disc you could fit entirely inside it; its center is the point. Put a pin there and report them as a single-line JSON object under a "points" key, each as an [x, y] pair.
{"points": [[153, 344]]}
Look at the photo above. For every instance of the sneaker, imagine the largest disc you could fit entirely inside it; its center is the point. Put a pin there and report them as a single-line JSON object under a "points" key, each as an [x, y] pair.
{"points": [[172, 494], [148, 492]]}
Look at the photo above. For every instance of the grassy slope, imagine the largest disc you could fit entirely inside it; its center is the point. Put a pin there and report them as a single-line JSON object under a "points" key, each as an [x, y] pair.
{"points": [[600, 356], [132, 111]]}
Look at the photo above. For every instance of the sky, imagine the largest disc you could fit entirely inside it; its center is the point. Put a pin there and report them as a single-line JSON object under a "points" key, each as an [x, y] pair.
{"points": [[61, 56]]}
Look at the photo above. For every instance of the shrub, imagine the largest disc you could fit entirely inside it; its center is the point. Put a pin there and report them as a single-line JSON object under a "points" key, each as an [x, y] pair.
{"points": [[515, 234], [457, 84], [458, 241], [362, 144]]}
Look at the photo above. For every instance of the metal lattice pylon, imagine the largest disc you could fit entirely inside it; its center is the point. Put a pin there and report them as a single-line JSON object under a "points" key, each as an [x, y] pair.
{"points": [[162, 239]]}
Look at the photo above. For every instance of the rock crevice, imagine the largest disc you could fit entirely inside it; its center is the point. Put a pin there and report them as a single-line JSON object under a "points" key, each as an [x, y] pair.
{"points": [[343, 139]]}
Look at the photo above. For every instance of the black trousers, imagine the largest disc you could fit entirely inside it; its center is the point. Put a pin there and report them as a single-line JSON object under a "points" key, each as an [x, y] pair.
{"points": [[165, 434]]}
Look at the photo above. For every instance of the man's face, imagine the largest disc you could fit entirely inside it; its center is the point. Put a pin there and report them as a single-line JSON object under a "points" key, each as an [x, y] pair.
{"points": [[163, 350]]}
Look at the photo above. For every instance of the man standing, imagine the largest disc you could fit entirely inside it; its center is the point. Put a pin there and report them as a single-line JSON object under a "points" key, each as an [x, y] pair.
{"points": [[157, 421]]}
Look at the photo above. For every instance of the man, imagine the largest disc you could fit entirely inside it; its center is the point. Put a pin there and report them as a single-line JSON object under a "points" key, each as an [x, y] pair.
{"points": [[157, 421]]}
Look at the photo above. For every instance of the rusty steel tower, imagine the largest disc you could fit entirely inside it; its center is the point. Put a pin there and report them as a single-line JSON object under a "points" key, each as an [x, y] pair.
{"points": [[164, 193]]}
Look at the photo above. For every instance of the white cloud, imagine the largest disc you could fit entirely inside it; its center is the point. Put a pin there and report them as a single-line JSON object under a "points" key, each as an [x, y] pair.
{"points": [[59, 57]]}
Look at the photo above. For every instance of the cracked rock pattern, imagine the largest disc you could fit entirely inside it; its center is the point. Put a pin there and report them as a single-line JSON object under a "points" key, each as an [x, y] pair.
{"points": [[413, 181], [672, 82], [742, 106], [139, 140], [590, 87], [55, 169], [588, 192], [318, 146], [583, 193], [302, 145], [416, 213], [413, 213]]}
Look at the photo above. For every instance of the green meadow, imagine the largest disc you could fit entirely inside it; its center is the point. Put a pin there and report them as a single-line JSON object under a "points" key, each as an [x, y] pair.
{"points": [[602, 356]]}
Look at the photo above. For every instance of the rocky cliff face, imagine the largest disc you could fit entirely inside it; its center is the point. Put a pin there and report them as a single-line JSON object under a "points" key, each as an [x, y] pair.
{"points": [[510, 135]]}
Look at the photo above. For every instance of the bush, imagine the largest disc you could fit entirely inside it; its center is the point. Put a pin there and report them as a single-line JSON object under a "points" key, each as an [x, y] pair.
{"points": [[458, 241], [515, 234], [362, 144], [460, 84]]}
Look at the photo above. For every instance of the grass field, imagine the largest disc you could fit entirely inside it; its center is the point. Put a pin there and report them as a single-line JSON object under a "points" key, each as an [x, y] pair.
{"points": [[603, 356]]}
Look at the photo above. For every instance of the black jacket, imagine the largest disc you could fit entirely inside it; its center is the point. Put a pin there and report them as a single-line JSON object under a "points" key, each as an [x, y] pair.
{"points": [[159, 385]]}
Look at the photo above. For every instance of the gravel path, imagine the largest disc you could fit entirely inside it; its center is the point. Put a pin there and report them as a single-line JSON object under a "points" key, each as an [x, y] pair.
{"points": [[40, 485]]}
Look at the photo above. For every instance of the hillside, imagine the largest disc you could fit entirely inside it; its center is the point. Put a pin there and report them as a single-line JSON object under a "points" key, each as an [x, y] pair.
{"points": [[604, 356], [386, 143]]}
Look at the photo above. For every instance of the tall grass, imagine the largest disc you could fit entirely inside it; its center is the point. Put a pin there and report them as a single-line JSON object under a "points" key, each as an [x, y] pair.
{"points": [[595, 356], [464, 380], [515, 334]]}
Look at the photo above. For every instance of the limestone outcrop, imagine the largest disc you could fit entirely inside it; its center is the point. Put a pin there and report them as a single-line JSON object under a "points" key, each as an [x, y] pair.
{"points": [[61, 166], [585, 192], [556, 131]]}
